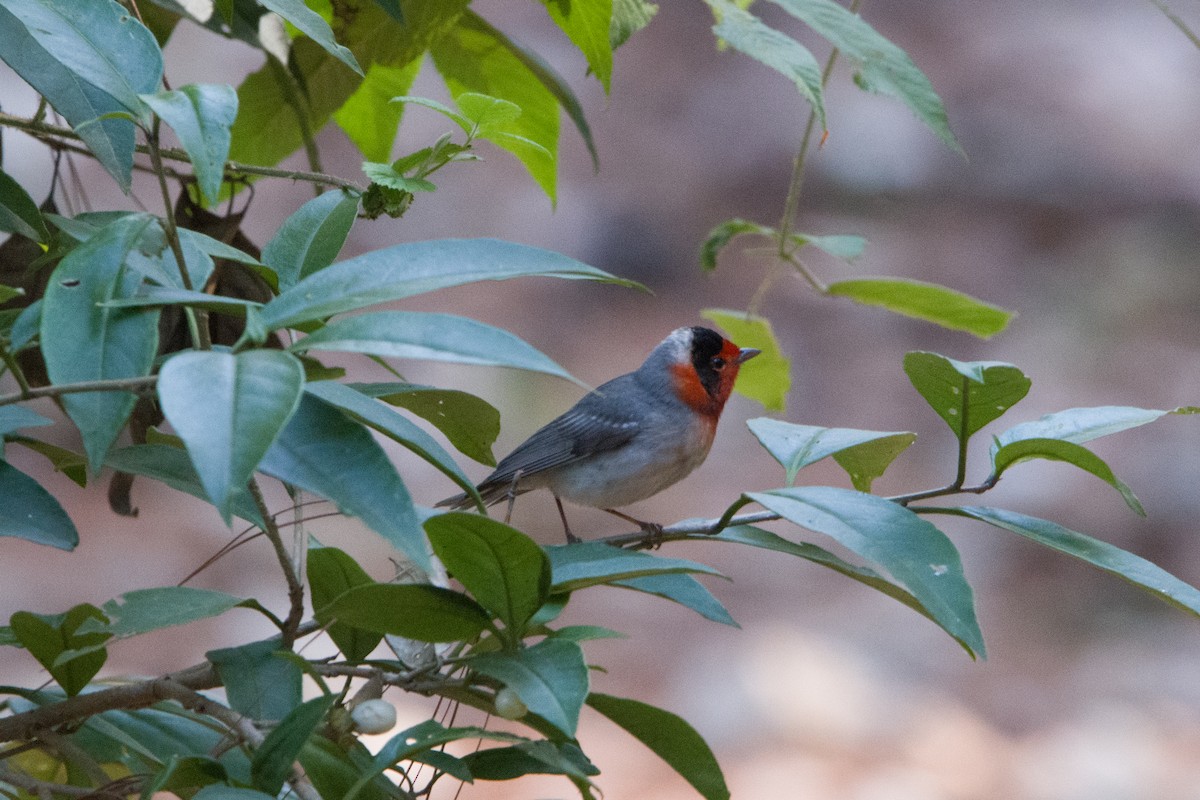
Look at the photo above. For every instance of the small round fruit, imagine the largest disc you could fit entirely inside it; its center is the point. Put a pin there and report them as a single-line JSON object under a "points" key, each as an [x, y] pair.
{"points": [[374, 716], [509, 705]]}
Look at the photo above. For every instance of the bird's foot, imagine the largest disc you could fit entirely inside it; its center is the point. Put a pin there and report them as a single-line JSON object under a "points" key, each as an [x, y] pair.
{"points": [[652, 530]]}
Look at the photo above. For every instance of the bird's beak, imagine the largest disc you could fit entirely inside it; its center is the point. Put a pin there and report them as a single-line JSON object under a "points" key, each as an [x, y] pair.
{"points": [[745, 354]]}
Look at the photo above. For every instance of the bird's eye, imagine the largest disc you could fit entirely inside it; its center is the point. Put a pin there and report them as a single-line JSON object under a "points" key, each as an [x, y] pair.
{"points": [[717, 363]]}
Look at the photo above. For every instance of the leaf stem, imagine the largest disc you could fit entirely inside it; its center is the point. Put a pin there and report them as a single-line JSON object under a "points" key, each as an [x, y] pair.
{"points": [[15, 368], [291, 625]]}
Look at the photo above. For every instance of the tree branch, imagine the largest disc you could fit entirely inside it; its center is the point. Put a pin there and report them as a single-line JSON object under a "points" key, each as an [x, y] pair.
{"points": [[111, 385]]}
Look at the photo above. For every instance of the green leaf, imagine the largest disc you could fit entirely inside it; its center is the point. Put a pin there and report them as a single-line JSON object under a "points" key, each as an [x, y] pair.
{"points": [[258, 683], [19, 214], [926, 301], [471, 424], [768, 377], [412, 743], [48, 637], [172, 466], [364, 409], [68, 462], [502, 568], [144, 610], [629, 17], [588, 26], [529, 758], [443, 109], [14, 418], [312, 25], [474, 57], [334, 770], [486, 111], [682, 589], [386, 175], [84, 340], [181, 774], [670, 737], [577, 566], [414, 610], [332, 572], [367, 117], [1080, 425], [158, 296], [585, 633], [720, 237], [551, 678], [433, 337], [1111, 559], [886, 68], [229, 409], [757, 537], [413, 268], [918, 555], [746, 33], [322, 451], [310, 239], [966, 394], [201, 115], [1069, 452], [88, 60], [863, 454], [273, 759]]}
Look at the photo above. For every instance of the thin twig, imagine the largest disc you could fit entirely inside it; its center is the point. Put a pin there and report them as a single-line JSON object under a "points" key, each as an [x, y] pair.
{"points": [[295, 588], [58, 389]]}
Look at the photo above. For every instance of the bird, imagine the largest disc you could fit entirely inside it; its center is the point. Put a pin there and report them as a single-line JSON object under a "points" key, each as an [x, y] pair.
{"points": [[629, 438]]}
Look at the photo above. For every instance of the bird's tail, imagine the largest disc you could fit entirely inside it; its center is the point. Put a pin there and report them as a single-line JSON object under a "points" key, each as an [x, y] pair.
{"points": [[491, 493]]}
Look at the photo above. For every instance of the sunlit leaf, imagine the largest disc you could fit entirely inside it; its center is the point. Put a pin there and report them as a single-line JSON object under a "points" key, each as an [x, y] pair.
{"points": [[926, 301]]}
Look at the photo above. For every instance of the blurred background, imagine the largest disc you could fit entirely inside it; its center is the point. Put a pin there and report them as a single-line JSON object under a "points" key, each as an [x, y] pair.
{"points": [[1078, 206]]}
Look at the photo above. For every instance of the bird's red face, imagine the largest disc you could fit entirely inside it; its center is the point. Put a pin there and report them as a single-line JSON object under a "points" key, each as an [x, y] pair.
{"points": [[706, 379]]}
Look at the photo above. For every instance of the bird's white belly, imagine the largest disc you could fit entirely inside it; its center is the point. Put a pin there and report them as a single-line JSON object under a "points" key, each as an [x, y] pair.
{"points": [[623, 476]]}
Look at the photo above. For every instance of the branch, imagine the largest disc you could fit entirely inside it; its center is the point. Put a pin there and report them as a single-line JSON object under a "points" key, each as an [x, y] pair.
{"points": [[110, 385], [698, 529], [233, 169]]}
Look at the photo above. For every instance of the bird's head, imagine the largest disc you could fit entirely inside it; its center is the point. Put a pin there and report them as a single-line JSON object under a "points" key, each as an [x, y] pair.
{"points": [[702, 366]]}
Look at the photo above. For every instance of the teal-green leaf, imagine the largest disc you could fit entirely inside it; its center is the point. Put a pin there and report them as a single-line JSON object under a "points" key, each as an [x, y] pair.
{"points": [[502, 568], [273, 759], [412, 610], [368, 411], [577, 566], [529, 758], [470, 423], [767, 377], [432, 337], [331, 572], [918, 555], [229, 409], [864, 454], [670, 737], [587, 25], [68, 462], [1080, 425], [30, 512], [201, 115], [85, 340], [260, 681], [1145, 575], [886, 68], [144, 610], [1069, 452], [844, 246], [404, 270], [747, 34], [220, 791], [966, 394], [758, 537], [310, 239], [19, 214], [324, 452], [88, 60], [13, 418], [551, 678], [47, 637], [314, 26], [926, 301], [473, 57], [172, 466], [683, 589]]}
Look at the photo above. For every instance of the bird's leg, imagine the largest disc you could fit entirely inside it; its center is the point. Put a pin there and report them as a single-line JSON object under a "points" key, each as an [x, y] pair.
{"points": [[571, 538], [512, 496], [653, 531]]}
